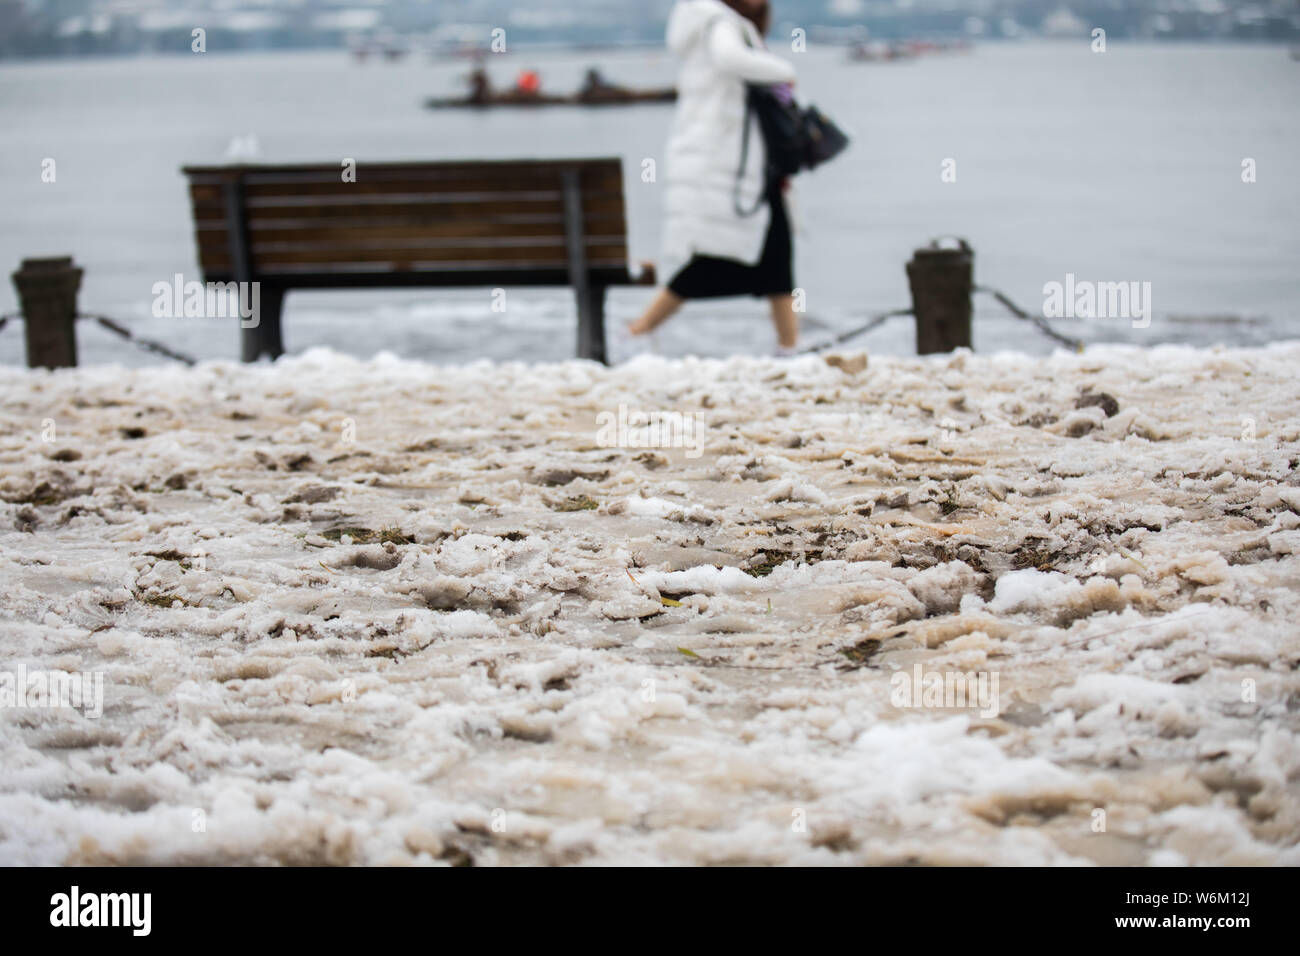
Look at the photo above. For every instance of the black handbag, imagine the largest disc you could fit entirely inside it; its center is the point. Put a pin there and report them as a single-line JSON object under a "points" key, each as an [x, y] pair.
{"points": [[796, 139]]}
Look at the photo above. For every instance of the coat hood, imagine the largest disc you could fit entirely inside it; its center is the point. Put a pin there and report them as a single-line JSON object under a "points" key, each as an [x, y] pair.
{"points": [[690, 20]]}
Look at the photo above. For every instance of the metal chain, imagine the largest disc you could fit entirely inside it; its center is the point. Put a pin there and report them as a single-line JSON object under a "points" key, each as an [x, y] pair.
{"points": [[147, 344], [854, 333], [1038, 320]]}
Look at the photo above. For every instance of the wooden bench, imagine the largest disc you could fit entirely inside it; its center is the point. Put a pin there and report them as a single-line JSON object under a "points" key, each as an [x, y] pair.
{"points": [[515, 223]]}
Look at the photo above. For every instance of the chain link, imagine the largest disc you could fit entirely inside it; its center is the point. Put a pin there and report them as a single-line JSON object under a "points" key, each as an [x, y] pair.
{"points": [[147, 344], [1038, 320], [843, 337], [119, 329]]}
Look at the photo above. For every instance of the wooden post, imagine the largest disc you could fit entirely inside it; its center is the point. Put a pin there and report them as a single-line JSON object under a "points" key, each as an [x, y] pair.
{"points": [[591, 301], [47, 292], [942, 280]]}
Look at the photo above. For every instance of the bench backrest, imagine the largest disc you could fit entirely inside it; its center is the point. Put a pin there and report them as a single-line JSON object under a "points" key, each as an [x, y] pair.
{"points": [[457, 223]]}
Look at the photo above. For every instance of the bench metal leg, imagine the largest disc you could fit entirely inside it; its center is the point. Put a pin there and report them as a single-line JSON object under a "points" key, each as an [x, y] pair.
{"points": [[591, 300], [591, 324], [265, 338]]}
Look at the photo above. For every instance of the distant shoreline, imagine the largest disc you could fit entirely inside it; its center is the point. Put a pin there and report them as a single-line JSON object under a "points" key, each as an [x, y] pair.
{"points": [[426, 56]]}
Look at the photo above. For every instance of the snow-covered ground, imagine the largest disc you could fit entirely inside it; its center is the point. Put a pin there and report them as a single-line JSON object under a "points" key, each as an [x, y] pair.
{"points": [[380, 612]]}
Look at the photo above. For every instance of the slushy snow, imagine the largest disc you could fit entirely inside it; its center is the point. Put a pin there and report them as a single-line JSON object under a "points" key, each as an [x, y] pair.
{"points": [[380, 612]]}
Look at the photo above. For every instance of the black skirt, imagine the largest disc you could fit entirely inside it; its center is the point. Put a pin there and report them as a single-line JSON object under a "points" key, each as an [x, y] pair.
{"points": [[709, 277]]}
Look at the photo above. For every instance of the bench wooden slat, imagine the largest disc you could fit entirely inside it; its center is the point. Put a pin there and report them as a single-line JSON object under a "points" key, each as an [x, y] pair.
{"points": [[286, 230], [370, 186], [503, 266], [268, 265], [447, 275], [267, 261], [216, 243], [470, 248], [467, 241], [613, 271], [403, 190], [474, 240], [429, 211], [423, 170], [382, 200]]}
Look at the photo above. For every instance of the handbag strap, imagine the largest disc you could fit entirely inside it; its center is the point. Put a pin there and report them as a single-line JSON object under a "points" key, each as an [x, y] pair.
{"points": [[744, 161], [744, 149]]}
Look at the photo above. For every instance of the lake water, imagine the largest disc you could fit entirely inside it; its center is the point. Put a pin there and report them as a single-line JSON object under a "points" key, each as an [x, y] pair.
{"points": [[1122, 166]]}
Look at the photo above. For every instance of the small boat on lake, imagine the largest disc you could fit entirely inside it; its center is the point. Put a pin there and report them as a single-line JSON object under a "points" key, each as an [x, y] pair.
{"points": [[527, 93], [515, 98], [882, 52]]}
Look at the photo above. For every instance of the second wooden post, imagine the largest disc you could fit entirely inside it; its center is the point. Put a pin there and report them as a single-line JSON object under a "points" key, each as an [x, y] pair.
{"points": [[942, 280], [47, 292]]}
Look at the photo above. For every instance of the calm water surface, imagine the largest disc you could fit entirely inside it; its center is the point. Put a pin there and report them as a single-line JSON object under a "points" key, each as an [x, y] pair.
{"points": [[1122, 166]]}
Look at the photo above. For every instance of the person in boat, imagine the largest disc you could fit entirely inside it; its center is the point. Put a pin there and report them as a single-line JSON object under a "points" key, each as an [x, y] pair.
{"points": [[596, 87], [480, 86], [712, 247]]}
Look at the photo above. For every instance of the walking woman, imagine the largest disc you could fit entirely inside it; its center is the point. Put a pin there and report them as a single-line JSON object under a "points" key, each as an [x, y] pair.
{"points": [[728, 230]]}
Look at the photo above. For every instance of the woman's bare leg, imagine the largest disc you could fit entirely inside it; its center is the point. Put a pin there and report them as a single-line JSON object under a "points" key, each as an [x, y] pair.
{"points": [[665, 304], [786, 320]]}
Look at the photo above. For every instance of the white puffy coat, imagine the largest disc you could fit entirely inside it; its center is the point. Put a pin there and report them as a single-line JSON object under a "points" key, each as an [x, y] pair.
{"points": [[704, 147]]}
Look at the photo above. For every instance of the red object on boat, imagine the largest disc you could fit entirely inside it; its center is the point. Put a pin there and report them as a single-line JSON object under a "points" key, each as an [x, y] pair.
{"points": [[529, 82]]}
